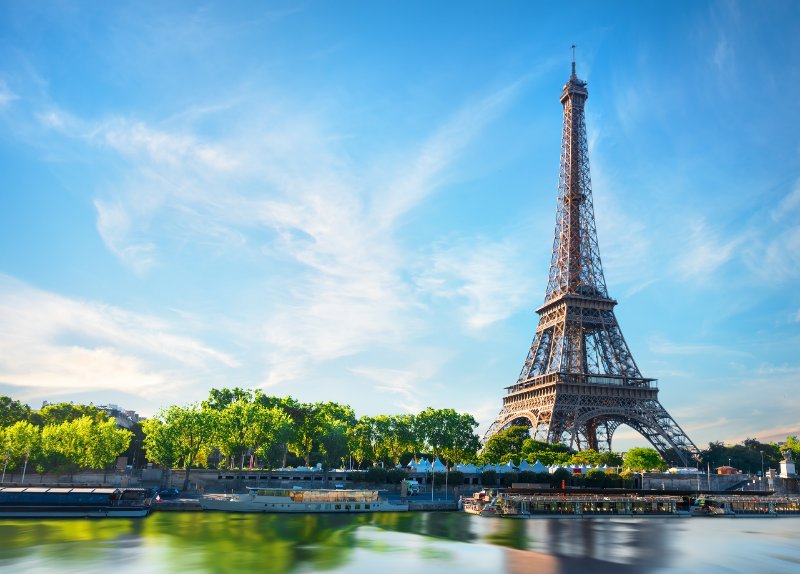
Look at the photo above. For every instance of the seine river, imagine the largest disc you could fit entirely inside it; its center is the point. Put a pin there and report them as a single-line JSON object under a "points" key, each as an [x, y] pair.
{"points": [[417, 543]]}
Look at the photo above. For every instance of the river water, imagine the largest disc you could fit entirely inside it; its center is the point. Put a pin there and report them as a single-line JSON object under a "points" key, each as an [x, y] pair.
{"points": [[415, 542]]}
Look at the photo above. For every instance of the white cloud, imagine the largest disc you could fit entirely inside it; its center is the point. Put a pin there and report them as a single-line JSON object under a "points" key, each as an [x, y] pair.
{"points": [[113, 225], [663, 346], [788, 205], [6, 95], [159, 146], [404, 387], [54, 343], [490, 279], [780, 259], [625, 244], [424, 172], [703, 252], [773, 252], [723, 53]]}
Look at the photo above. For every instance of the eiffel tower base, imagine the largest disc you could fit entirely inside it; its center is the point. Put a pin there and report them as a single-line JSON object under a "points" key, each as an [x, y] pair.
{"points": [[584, 415]]}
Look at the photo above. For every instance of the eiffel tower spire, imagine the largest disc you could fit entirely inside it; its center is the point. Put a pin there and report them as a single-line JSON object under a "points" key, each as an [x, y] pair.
{"points": [[579, 381]]}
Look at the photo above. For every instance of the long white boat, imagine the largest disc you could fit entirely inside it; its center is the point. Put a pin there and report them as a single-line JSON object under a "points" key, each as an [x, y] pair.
{"points": [[306, 501]]}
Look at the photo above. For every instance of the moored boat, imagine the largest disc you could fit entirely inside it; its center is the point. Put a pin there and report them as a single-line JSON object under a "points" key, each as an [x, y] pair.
{"points": [[304, 501], [51, 502]]}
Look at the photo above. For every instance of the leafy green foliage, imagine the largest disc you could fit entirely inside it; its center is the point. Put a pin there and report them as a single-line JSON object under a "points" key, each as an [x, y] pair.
{"points": [[455, 478], [489, 478], [59, 413], [84, 442], [376, 475], [643, 459], [12, 411], [448, 433], [505, 445], [396, 475], [745, 456], [595, 478], [792, 444], [19, 440]]}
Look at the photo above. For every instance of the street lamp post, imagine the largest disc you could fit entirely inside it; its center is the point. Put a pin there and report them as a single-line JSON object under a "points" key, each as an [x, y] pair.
{"points": [[8, 456], [433, 479], [25, 467], [762, 464]]}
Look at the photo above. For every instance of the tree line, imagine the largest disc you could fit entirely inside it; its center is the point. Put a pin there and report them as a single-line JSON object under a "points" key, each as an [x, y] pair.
{"points": [[240, 428], [233, 428], [245, 428], [61, 437], [515, 444]]}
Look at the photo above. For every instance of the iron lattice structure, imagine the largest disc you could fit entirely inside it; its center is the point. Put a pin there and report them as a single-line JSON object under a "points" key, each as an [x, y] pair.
{"points": [[580, 382]]}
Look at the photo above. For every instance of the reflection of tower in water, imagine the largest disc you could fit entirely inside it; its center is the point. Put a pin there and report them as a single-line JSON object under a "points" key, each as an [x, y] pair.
{"points": [[589, 545]]}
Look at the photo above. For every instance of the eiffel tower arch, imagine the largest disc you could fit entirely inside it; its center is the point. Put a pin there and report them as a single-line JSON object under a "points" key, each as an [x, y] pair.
{"points": [[579, 382]]}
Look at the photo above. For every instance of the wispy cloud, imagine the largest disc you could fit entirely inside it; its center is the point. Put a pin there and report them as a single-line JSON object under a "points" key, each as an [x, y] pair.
{"points": [[359, 293], [54, 343], [159, 146], [114, 227], [625, 244], [787, 206], [772, 253], [431, 162], [6, 95], [490, 280], [664, 346], [405, 388], [704, 252]]}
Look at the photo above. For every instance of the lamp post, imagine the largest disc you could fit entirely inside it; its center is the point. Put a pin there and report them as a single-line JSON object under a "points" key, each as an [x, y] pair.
{"points": [[433, 478], [762, 464], [25, 467], [8, 456]]}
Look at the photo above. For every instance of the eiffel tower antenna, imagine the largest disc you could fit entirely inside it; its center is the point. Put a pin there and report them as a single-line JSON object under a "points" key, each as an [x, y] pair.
{"points": [[579, 382], [573, 59]]}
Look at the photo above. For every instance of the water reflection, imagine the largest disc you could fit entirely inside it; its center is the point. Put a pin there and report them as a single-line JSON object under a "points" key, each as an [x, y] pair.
{"points": [[385, 543]]}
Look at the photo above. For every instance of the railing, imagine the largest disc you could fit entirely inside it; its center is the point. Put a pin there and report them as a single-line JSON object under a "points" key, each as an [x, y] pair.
{"points": [[615, 380]]}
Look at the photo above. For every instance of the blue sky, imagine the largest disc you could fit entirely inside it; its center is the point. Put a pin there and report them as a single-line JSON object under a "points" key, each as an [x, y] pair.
{"points": [[355, 201]]}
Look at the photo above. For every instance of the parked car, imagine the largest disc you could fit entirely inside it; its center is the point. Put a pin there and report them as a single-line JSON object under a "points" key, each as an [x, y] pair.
{"points": [[169, 493]]}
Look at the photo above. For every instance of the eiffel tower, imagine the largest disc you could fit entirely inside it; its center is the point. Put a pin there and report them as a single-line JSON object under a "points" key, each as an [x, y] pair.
{"points": [[579, 382]]}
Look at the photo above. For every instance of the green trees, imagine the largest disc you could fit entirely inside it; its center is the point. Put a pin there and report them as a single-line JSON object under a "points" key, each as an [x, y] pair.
{"points": [[234, 423], [792, 444], [746, 456], [640, 459], [334, 421], [19, 441], [448, 433], [546, 453], [84, 442], [514, 443], [362, 440], [400, 438], [58, 413], [504, 445], [12, 411], [61, 436], [180, 435]]}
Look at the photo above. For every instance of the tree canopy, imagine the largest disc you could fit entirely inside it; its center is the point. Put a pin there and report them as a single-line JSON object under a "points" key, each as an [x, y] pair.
{"points": [[639, 459]]}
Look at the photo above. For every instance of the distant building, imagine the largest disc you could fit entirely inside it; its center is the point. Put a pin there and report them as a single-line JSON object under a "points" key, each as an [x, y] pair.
{"points": [[124, 418]]}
